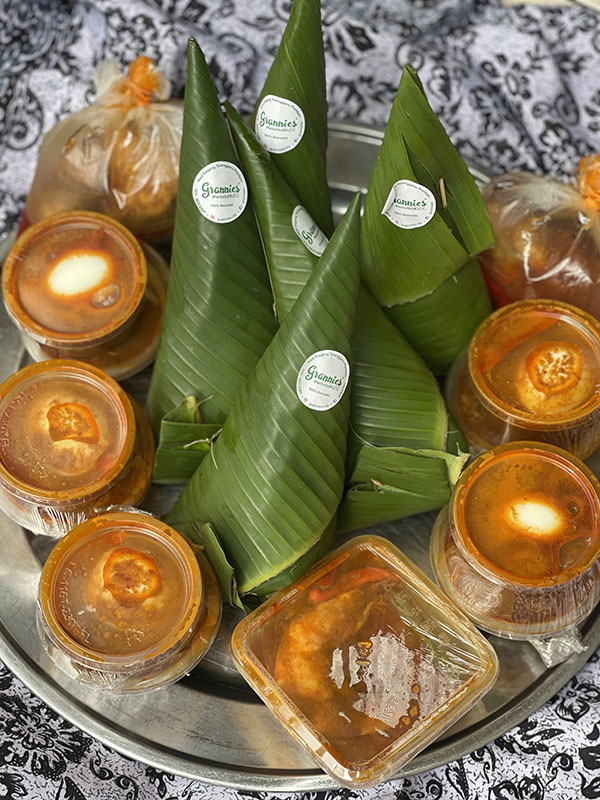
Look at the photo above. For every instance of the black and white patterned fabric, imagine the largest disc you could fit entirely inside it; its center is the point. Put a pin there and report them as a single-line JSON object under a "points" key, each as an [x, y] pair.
{"points": [[516, 87]]}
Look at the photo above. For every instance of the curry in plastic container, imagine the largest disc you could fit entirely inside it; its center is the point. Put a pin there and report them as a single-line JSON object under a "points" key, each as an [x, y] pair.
{"points": [[79, 285], [532, 372], [517, 548], [72, 443], [363, 661], [125, 605]]}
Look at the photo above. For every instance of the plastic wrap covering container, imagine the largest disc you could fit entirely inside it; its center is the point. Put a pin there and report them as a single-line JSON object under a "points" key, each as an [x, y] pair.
{"points": [[119, 156], [363, 661], [532, 372], [547, 238], [517, 547], [125, 605], [79, 285], [72, 444]]}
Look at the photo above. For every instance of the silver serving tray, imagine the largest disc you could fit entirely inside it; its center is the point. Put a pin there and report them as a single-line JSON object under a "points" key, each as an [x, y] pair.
{"points": [[210, 726]]}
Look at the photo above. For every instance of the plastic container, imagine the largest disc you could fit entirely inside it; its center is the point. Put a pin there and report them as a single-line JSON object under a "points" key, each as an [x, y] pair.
{"points": [[78, 285], [517, 548], [71, 445], [125, 605], [532, 372], [363, 661]]}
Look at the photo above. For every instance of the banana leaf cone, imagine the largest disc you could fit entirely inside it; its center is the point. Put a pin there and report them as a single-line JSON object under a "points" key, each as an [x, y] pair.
{"points": [[218, 318], [395, 400], [290, 261], [294, 95], [408, 254], [274, 479], [440, 325], [403, 451]]}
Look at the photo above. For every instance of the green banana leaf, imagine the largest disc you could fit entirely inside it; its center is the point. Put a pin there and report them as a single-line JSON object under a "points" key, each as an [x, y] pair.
{"points": [[404, 264], [296, 570], [276, 473], [183, 441], [441, 324], [218, 318], [392, 483], [203, 535], [289, 261], [395, 399], [298, 75], [456, 442]]}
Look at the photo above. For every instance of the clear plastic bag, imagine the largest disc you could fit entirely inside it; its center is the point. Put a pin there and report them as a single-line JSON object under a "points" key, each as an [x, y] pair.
{"points": [[547, 237], [119, 156]]}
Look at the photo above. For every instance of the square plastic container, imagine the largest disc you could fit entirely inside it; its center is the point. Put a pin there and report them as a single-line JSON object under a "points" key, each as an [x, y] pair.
{"points": [[363, 661]]}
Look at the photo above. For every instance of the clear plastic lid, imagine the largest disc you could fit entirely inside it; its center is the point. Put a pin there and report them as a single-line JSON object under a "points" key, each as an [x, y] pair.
{"points": [[120, 589], [74, 278], [536, 363], [66, 430], [131, 487], [363, 661], [528, 514]]}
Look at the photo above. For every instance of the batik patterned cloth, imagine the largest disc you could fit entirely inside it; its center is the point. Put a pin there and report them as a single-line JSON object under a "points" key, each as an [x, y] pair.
{"points": [[516, 87]]}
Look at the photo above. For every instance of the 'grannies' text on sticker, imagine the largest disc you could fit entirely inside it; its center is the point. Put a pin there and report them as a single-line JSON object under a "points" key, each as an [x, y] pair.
{"points": [[279, 124], [220, 191], [308, 231], [322, 379], [409, 205]]}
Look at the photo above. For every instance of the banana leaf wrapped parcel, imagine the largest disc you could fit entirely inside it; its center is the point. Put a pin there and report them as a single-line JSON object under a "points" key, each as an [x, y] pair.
{"points": [[395, 401], [290, 118], [218, 317], [424, 221], [271, 486]]}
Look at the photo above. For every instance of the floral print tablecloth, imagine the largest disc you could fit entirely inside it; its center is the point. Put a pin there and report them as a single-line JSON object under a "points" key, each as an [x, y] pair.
{"points": [[516, 87]]}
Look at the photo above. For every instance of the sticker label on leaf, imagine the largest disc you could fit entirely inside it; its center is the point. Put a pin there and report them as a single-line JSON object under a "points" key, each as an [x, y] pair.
{"points": [[279, 124], [322, 380], [311, 236], [409, 205], [220, 191]]}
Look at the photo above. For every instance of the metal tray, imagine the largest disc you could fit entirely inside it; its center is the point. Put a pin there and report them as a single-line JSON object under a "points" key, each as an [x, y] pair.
{"points": [[210, 726]]}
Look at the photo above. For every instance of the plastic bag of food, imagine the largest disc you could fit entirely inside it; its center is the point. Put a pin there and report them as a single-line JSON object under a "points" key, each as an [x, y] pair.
{"points": [[547, 237], [119, 156]]}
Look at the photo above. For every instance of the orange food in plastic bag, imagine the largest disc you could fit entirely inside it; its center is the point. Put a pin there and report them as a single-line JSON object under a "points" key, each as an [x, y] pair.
{"points": [[119, 156], [547, 237]]}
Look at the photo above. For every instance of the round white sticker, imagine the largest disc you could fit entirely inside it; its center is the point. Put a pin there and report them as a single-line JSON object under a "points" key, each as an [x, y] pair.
{"points": [[279, 124], [220, 191], [322, 379], [409, 205], [308, 232]]}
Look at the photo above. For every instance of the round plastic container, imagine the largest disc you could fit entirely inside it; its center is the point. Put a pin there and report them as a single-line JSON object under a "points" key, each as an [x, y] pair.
{"points": [[532, 372], [79, 285], [125, 605], [517, 547], [71, 445]]}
